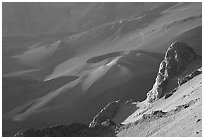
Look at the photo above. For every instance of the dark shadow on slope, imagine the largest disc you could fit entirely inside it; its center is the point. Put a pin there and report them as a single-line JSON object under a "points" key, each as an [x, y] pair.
{"points": [[63, 53], [71, 130], [17, 91], [194, 38], [84, 109], [103, 57], [97, 59]]}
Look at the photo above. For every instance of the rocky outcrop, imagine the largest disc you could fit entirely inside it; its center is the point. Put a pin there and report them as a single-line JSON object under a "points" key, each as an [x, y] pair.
{"points": [[167, 95], [178, 56], [189, 77], [183, 80], [106, 116], [72, 130], [106, 113], [153, 115]]}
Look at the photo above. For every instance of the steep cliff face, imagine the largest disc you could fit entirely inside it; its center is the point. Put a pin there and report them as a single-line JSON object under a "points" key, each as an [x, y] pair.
{"points": [[177, 58]]}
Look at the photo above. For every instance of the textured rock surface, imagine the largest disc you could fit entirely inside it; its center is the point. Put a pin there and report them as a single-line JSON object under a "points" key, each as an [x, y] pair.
{"points": [[106, 113], [189, 77], [73, 130], [178, 56]]}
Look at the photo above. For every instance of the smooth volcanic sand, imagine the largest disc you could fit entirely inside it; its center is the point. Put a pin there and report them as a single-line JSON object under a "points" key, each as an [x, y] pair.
{"points": [[130, 77]]}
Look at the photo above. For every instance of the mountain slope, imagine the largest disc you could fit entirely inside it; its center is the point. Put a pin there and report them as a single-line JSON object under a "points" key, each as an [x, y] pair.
{"points": [[67, 76], [21, 19], [181, 115], [177, 115], [53, 55], [96, 85]]}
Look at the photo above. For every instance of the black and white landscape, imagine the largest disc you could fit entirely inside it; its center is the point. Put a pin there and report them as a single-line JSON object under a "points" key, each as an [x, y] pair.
{"points": [[101, 69]]}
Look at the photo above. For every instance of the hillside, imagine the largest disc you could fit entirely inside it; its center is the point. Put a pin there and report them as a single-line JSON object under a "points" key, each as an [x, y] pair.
{"points": [[179, 115], [66, 66], [22, 19]]}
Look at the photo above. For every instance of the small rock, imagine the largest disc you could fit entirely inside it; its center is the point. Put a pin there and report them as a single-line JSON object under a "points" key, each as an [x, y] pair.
{"points": [[198, 120], [107, 123], [183, 96]]}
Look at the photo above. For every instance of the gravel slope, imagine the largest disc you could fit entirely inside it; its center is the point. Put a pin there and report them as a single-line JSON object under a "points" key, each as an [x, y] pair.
{"points": [[183, 114]]}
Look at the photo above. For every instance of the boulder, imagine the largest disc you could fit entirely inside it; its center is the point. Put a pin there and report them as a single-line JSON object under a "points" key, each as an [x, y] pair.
{"points": [[177, 57], [106, 113]]}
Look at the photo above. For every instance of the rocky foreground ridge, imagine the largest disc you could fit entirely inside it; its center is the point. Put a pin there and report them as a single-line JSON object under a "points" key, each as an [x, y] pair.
{"points": [[72, 130], [177, 60]]}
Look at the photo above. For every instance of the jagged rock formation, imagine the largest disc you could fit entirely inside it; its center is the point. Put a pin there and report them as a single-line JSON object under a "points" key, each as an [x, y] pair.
{"points": [[106, 113], [189, 77], [72, 130], [167, 95], [183, 80], [178, 56], [153, 115], [106, 116]]}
